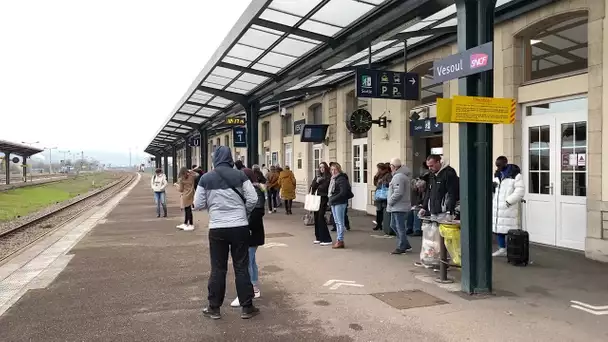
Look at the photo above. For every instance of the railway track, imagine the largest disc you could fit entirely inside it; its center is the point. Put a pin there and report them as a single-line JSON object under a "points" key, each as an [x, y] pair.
{"points": [[15, 238]]}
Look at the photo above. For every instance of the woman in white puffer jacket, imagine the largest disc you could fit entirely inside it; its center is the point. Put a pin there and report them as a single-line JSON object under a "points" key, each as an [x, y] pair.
{"points": [[508, 192]]}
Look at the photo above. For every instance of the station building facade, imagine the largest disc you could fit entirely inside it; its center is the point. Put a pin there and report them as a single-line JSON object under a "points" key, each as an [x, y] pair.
{"points": [[550, 60]]}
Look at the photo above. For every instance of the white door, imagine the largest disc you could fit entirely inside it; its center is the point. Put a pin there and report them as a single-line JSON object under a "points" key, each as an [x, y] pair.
{"points": [[359, 176], [267, 159], [555, 174], [287, 161]]}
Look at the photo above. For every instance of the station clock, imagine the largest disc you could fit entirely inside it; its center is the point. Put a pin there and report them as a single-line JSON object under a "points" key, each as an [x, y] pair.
{"points": [[359, 121]]}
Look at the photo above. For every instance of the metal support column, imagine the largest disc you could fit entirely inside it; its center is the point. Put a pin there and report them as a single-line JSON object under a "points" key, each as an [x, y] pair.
{"points": [[166, 164], [204, 150], [24, 167], [252, 111], [476, 27], [157, 161], [188, 154], [7, 166], [174, 164]]}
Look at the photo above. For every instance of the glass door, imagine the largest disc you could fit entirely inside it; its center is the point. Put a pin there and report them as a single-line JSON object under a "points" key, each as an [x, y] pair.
{"points": [[359, 176], [555, 174]]}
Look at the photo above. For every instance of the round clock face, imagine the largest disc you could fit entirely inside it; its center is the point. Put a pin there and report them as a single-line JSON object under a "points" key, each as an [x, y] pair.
{"points": [[359, 121]]}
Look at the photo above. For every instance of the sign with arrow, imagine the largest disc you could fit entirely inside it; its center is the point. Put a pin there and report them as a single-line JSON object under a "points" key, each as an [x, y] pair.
{"points": [[592, 309], [425, 127], [335, 284], [384, 84]]}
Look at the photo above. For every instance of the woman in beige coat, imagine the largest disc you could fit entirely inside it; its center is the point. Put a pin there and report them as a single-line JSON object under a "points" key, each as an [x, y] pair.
{"points": [[186, 186]]}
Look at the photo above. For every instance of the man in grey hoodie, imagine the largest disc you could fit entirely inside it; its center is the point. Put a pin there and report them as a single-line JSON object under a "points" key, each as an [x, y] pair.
{"points": [[399, 203], [229, 197]]}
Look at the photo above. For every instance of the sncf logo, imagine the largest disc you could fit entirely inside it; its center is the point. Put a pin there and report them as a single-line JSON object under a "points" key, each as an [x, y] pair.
{"points": [[479, 60]]}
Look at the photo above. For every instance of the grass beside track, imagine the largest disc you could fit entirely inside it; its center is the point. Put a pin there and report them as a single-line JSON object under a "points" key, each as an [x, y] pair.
{"points": [[23, 201]]}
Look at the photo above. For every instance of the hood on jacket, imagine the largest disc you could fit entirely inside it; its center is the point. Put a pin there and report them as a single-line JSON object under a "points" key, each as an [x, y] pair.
{"points": [[404, 170], [223, 157], [444, 163]]}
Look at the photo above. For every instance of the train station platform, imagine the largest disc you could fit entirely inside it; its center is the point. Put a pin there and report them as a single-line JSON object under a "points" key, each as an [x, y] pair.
{"points": [[120, 274]]}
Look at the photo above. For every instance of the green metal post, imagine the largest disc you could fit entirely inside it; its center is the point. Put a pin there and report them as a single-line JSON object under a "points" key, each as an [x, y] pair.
{"points": [[476, 27], [174, 164]]}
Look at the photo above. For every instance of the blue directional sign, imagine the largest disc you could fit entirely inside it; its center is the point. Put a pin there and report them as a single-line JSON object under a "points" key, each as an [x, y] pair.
{"points": [[425, 127], [195, 142], [239, 135], [383, 84]]}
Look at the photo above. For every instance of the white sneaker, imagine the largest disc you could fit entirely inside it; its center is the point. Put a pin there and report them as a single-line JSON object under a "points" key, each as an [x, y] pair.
{"points": [[181, 226], [316, 242], [326, 244], [374, 222], [501, 252], [235, 303], [257, 293], [270, 211], [189, 228], [274, 210]]}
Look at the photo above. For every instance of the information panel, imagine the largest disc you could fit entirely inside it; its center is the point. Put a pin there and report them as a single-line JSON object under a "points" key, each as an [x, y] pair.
{"points": [[239, 135], [383, 84]]}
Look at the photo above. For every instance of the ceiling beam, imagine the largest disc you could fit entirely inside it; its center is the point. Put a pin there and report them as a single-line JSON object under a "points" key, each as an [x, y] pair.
{"points": [[301, 91], [425, 32], [245, 69], [559, 52], [228, 95], [192, 103], [288, 29], [187, 124]]}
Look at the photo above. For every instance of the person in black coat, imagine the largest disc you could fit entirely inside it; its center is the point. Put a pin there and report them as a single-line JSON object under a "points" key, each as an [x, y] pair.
{"points": [[256, 227], [320, 187], [339, 193]]}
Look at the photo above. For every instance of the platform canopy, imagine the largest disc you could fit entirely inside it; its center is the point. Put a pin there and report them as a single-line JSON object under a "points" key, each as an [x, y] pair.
{"points": [[18, 149], [284, 50]]}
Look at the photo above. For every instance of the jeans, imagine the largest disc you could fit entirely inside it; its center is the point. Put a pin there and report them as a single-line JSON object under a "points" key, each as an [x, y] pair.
{"points": [[321, 229], [160, 198], [502, 240], [272, 199], [414, 223], [188, 215], [398, 219], [253, 266], [234, 241], [338, 212]]}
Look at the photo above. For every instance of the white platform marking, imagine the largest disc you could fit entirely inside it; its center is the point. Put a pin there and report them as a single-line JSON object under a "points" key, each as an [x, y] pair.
{"points": [[42, 262], [594, 310], [335, 284], [274, 244]]}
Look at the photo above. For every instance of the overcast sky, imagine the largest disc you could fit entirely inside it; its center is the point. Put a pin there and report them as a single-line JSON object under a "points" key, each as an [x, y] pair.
{"points": [[102, 75]]}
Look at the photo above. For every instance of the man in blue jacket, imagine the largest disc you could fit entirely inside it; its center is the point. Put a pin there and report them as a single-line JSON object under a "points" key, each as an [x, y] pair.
{"points": [[229, 197]]}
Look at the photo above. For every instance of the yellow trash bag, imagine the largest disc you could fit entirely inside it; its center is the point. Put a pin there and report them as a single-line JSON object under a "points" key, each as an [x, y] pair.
{"points": [[451, 237]]}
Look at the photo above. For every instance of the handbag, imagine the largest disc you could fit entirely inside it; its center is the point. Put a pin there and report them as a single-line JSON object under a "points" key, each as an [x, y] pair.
{"points": [[309, 219], [381, 193], [312, 202]]}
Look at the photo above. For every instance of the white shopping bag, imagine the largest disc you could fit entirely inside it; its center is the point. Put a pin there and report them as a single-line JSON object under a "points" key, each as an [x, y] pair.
{"points": [[312, 202]]}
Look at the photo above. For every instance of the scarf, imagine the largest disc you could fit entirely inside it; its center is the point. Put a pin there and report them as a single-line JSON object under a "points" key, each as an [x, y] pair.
{"points": [[332, 184]]}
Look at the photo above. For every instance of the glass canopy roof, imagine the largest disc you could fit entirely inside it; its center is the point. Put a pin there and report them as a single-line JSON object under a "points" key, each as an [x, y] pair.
{"points": [[280, 33]]}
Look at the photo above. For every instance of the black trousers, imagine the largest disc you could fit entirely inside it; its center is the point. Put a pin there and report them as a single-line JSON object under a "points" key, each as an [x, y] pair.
{"points": [[288, 204], [188, 215], [235, 241], [272, 199], [321, 229]]}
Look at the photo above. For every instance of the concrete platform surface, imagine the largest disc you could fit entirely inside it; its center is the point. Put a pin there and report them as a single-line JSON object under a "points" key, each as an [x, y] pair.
{"points": [[121, 274]]}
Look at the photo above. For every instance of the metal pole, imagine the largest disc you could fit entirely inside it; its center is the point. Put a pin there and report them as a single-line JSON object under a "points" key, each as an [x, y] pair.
{"points": [[405, 55], [476, 27], [369, 56], [7, 165]]}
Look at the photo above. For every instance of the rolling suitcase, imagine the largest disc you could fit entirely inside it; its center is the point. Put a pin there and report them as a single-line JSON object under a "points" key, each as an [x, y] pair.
{"points": [[518, 247]]}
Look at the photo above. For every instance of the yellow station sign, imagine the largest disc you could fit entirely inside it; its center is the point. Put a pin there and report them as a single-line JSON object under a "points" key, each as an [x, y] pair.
{"points": [[476, 109]]}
